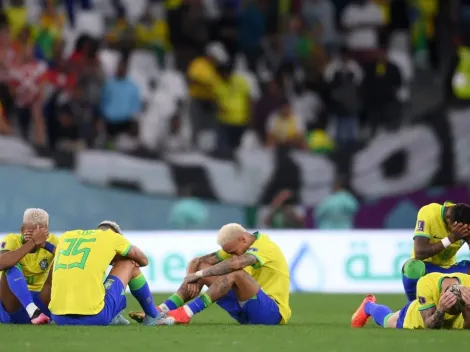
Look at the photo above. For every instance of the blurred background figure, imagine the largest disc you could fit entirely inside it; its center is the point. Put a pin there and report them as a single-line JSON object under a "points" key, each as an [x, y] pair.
{"points": [[188, 212], [282, 213], [337, 211]]}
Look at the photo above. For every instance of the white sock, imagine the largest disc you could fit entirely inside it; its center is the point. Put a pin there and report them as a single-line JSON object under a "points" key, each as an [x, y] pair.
{"points": [[164, 308], [31, 308], [188, 311]]}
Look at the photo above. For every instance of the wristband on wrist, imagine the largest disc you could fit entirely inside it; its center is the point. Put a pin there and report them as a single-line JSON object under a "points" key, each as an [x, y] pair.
{"points": [[199, 274], [49, 247], [446, 242]]}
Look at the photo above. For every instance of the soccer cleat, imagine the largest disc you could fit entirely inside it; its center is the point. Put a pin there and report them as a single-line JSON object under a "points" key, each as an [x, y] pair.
{"points": [[140, 316], [178, 316], [360, 317], [40, 318], [149, 321], [119, 320]]}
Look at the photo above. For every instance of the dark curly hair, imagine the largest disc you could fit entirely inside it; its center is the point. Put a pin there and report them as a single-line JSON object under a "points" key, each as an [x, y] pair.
{"points": [[460, 213]]}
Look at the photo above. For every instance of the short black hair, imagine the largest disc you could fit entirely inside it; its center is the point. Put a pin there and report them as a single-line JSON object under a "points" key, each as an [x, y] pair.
{"points": [[460, 213]]}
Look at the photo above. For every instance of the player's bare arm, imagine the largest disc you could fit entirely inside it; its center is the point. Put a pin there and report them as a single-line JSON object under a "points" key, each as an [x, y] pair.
{"points": [[433, 318], [209, 259], [225, 267], [137, 256], [465, 296]]}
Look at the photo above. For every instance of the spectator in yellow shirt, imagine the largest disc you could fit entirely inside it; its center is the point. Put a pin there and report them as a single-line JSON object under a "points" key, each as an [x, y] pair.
{"points": [[233, 100], [17, 15], [121, 36], [202, 76], [152, 34]]}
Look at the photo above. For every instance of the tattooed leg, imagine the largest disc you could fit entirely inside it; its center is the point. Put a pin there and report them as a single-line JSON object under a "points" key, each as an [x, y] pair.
{"points": [[243, 285]]}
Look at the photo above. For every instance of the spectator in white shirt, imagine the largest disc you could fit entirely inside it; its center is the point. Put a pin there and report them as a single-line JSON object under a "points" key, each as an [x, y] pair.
{"points": [[361, 21]]}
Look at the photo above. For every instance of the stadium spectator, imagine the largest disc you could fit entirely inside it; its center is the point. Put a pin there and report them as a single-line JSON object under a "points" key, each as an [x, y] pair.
{"points": [[120, 103], [319, 16], [7, 56], [252, 31], [175, 136], [189, 212], [344, 78], [27, 78], [203, 76], [362, 21], [152, 33], [121, 35], [5, 127], [382, 79], [17, 15], [233, 98], [282, 213], [291, 42], [285, 128], [338, 210], [269, 102], [226, 29], [50, 29]]}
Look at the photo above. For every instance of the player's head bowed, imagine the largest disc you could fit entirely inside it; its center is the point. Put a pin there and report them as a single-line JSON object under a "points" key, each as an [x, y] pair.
{"points": [[32, 218], [110, 225], [234, 239], [460, 213]]}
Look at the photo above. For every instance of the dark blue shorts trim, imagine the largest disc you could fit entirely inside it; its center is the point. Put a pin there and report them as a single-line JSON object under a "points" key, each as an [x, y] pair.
{"points": [[261, 310], [114, 303], [402, 315], [21, 316], [460, 267]]}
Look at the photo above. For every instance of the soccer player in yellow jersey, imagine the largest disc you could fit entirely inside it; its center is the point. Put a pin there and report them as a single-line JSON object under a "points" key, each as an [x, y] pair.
{"points": [[25, 260], [249, 278], [442, 303], [79, 296], [439, 233]]}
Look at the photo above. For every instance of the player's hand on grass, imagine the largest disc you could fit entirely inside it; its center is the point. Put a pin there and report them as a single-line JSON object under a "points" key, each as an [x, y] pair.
{"points": [[39, 236], [447, 301], [459, 231]]}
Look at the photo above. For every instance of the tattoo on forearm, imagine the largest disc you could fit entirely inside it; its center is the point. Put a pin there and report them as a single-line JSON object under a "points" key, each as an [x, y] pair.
{"points": [[219, 288], [433, 318], [210, 259], [230, 265]]}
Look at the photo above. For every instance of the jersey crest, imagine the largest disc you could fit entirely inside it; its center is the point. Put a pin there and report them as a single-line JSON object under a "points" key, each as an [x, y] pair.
{"points": [[108, 284], [420, 226], [43, 264], [2, 246]]}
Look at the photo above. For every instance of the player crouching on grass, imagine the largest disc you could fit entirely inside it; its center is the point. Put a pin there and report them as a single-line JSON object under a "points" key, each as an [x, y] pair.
{"points": [[440, 232], [249, 278], [443, 303], [25, 260], [79, 296]]}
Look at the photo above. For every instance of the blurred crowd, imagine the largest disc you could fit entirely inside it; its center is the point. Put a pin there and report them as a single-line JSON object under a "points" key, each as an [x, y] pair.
{"points": [[175, 75]]}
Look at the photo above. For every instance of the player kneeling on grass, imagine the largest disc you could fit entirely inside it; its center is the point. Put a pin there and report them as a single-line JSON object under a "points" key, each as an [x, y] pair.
{"points": [[440, 232], [79, 296], [25, 260], [249, 278], [443, 303]]}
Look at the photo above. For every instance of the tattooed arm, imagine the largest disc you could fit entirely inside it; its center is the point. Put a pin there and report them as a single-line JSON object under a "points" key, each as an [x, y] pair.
{"points": [[433, 318], [210, 259], [230, 265]]}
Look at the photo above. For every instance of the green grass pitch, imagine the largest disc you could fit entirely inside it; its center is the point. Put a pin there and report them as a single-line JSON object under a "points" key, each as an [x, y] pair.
{"points": [[319, 323]]}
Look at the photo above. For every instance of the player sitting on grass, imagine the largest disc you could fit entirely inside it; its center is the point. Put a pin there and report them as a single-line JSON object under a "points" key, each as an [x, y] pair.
{"points": [[443, 303], [79, 296], [440, 232], [25, 260], [249, 278]]}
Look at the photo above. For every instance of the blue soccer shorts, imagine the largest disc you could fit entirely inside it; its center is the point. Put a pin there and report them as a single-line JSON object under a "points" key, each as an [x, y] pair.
{"points": [[259, 310], [402, 315], [21, 316], [114, 303]]}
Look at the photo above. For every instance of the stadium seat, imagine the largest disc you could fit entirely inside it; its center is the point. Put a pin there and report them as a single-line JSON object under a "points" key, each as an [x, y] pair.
{"points": [[90, 22], [174, 83]]}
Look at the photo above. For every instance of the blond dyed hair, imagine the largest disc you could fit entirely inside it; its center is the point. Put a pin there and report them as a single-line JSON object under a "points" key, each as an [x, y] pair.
{"points": [[229, 232], [35, 217]]}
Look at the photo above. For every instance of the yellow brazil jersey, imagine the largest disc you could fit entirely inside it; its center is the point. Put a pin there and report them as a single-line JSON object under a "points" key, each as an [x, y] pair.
{"points": [[35, 266], [79, 270], [202, 77], [428, 292], [270, 272], [233, 100], [430, 223]]}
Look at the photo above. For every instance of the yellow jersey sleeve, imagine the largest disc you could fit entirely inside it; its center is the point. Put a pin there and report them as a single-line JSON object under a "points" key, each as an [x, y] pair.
{"points": [[261, 253], [121, 244], [222, 255], [201, 70], [423, 223], [53, 239], [10, 242], [425, 293]]}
